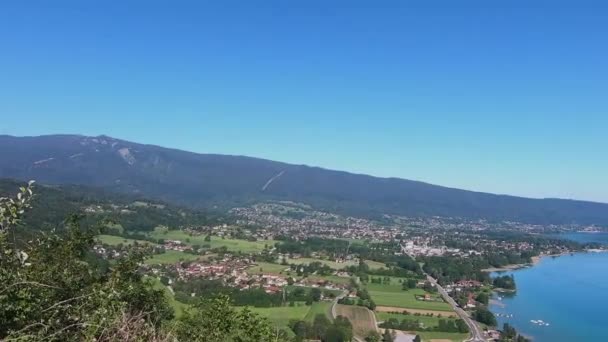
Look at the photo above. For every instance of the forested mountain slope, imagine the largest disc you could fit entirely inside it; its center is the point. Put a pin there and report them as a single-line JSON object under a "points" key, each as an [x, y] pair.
{"points": [[207, 180]]}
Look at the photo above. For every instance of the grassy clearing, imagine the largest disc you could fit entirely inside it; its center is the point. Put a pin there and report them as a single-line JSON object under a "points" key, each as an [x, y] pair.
{"points": [[318, 308], [374, 265], [116, 240], [442, 336], [360, 317], [392, 295], [216, 242], [307, 289], [407, 299], [170, 257], [395, 284], [280, 316], [267, 268], [426, 320], [331, 278]]}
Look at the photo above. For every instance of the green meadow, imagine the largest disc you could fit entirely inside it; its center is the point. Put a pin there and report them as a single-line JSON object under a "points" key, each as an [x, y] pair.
{"points": [[231, 244], [433, 335], [267, 268], [280, 316], [393, 295]]}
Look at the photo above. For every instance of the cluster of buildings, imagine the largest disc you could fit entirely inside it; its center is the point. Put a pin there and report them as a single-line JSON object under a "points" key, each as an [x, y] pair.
{"points": [[107, 253], [423, 247], [300, 222], [235, 272], [176, 245]]}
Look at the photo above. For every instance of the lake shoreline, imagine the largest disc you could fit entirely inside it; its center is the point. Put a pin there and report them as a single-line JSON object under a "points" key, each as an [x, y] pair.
{"points": [[569, 318], [537, 259]]}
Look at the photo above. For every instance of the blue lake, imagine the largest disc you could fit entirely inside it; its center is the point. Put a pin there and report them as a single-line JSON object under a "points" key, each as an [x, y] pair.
{"points": [[568, 292], [584, 237]]}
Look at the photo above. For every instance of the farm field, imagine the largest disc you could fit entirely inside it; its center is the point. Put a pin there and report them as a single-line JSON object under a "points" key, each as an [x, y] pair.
{"points": [[361, 318], [307, 289], [231, 244], [374, 265], [318, 308], [391, 294], [281, 316], [429, 322], [170, 257], [407, 300], [395, 284], [432, 336]]}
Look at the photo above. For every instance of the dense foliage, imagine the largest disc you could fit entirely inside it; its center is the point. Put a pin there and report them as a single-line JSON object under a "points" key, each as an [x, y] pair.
{"points": [[506, 282], [215, 320], [509, 334], [485, 316], [340, 330], [53, 289], [447, 269]]}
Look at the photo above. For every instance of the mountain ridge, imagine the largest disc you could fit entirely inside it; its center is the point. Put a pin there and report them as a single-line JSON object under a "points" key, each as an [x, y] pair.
{"points": [[198, 179]]}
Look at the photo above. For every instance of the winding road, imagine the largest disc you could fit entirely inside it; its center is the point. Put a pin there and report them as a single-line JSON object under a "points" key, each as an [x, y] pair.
{"points": [[476, 332]]}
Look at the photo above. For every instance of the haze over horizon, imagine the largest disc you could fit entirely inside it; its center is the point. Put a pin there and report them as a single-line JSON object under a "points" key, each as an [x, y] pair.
{"points": [[458, 96]]}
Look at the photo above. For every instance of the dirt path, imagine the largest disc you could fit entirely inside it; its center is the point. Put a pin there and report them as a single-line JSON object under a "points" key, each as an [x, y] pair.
{"points": [[362, 319]]}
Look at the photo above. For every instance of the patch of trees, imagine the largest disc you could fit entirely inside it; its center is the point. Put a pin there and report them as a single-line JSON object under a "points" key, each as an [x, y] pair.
{"points": [[509, 334], [509, 258], [408, 324], [396, 266], [340, 330], [506, 282], [449, 269], [216, 320], [315, 267], [368, 303], [374, 336], [52, 205], [483, 298], [483, 315], [409, 284], [363, 298]]}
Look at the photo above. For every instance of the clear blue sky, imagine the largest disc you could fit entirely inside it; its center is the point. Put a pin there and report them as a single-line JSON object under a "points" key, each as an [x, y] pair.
{"points": [[498, 96]]}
